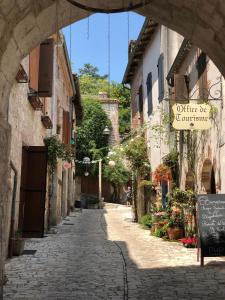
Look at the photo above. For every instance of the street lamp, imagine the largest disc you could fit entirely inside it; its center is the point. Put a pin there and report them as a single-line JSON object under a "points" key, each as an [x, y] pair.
{"points": [[112, 163], [86, 161], [106, 131]]}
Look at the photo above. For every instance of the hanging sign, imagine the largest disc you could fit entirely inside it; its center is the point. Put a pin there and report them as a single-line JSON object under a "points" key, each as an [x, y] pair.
{"points": [[191, 116], [211, 225]]}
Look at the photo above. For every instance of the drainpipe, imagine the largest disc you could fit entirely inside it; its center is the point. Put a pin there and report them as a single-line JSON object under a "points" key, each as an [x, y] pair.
{"points": [[13, 210]]}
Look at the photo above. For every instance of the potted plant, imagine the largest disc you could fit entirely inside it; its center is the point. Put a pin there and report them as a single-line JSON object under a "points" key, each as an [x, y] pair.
{"points": [[175, 226], [18, 243], [159, 219]]}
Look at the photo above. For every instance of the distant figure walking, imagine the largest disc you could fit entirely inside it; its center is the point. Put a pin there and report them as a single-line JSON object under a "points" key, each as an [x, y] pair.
{"points": [[129, 196]]}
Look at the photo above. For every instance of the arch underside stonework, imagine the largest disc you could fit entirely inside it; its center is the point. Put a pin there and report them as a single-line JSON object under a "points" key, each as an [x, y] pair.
{"points": [[25, 23]]}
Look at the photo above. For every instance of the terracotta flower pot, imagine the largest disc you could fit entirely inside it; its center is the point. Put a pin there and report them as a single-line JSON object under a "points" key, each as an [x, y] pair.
{"points": [[175, 233]]}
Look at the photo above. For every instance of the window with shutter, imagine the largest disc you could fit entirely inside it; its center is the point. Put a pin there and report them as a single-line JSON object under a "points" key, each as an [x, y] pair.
{"points": [[34, 68], [161, 77], [202, 75], [45, 80], [180, 88], [149, 93], [66, 127]]}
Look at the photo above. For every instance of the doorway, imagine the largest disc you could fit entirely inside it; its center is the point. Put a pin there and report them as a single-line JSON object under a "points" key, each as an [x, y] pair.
{"points": [[33, 191]]}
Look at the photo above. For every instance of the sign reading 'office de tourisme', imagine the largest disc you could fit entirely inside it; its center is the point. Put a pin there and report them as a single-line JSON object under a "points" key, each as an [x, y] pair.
{"points": [[191, 116]]}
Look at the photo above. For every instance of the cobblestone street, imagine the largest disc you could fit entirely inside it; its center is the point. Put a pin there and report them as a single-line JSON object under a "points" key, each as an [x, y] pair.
{"points": [[101, 254]]}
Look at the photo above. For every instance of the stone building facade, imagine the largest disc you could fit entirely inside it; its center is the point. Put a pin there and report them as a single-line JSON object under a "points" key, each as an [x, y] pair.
{"points": [[149, 61], [165, 69], [38, 197], [201, 153], [111, 107]]}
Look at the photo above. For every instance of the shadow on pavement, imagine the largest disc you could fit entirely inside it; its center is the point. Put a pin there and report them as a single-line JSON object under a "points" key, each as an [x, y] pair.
{"points": [[81, 263]]}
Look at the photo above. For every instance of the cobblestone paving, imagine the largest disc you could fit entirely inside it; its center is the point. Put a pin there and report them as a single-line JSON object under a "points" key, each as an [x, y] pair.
{"points": [[83, 261]]}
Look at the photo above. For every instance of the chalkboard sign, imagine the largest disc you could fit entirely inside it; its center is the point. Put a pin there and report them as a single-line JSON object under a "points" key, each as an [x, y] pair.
{"points": [[211, 225]]}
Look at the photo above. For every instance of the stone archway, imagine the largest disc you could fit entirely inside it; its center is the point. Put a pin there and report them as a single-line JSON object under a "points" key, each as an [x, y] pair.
{"points": [[208, 177], [25, 23]]}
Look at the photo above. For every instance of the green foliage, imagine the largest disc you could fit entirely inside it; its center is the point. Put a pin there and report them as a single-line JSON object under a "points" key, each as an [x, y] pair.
{"points": [[176, 220], [118, 174], [171, 161], [161, 232], [90, 139], [118, 91], [91, 71], [91, 83], [124, 120], [184, 199], [136, 152], [146, 221], [57, 150], [92, 86]]}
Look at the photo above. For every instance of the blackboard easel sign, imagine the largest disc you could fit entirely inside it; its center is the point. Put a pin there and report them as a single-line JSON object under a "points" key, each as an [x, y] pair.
{"points": [[211, 225]]}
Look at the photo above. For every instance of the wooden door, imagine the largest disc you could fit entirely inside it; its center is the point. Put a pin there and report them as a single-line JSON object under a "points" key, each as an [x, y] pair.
{"points": [[33, 191]]}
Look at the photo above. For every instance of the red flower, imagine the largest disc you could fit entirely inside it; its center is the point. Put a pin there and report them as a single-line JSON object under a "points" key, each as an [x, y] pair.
{"points": [[162, 173], [189, 241]]}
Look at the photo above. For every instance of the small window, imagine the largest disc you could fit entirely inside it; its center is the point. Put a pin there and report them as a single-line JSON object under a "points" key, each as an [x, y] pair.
{"points": [[161, 77], [149, 93]]}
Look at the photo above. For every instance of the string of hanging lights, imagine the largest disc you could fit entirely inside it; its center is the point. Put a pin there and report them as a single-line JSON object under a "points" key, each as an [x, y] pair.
{"points": [[131, 6]]}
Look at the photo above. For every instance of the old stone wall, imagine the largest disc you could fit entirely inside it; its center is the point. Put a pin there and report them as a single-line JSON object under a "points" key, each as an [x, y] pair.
{"points": [[111, 107]]}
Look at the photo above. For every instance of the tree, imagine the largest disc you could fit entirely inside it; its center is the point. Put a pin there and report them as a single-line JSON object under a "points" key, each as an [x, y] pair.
{"points": [[117, 175], [91, 83], [92, 86], [120, 92], [89, 70], [90, 139]]}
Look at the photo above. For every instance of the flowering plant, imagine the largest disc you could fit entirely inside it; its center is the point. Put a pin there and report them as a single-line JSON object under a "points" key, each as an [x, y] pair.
{"points": [[162, 173], [176, 219], [189, 242]]}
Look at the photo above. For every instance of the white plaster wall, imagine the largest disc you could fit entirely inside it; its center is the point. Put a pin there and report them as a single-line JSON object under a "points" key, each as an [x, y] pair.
{"points": [[136, 82], [150, 62], [210, 142]]}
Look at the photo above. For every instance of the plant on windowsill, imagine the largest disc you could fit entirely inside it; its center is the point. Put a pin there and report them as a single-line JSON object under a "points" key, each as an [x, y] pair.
{"points": [[18, 243]]}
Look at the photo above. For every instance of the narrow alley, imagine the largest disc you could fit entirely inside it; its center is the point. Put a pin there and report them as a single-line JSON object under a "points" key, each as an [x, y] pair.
{"points": [[101, 254]]}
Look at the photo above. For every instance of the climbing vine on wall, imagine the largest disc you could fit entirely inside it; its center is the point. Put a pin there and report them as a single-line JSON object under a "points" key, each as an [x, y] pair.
{"points": [[57, 150]]}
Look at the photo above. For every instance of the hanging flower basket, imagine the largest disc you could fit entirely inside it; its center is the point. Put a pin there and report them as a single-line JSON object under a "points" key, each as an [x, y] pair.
{"points": [[162, 173]]}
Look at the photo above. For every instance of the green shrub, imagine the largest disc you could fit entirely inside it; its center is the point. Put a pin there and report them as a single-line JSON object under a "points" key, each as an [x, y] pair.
{"points": [[161, 232], [146, 221]]}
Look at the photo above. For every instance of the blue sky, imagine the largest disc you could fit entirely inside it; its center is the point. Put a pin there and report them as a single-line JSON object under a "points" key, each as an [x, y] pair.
{"points": [[94, 49]]}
